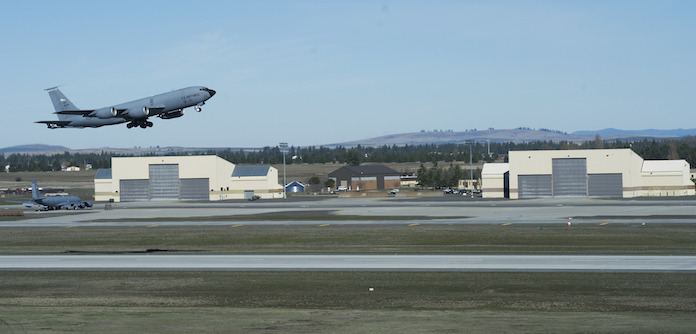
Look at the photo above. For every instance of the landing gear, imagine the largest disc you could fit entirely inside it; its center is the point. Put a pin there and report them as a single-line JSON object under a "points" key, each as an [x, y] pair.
{"points": [[142, 124], [198, 109]]}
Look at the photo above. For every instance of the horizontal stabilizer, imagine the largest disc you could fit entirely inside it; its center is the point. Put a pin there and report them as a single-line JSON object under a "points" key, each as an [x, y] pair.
{"points": [[55, 124]]}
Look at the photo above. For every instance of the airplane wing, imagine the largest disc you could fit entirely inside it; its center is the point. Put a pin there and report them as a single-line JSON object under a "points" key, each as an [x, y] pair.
{"points": [[88, 113], [119, 112], [74, 112]]}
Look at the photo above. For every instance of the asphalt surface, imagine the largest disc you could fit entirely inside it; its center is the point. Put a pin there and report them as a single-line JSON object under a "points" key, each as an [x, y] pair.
{"points": [[596, 263], [447, 210]]}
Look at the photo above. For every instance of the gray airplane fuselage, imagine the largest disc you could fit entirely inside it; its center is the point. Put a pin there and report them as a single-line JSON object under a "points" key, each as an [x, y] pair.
{"points": [[166, 106], [60, 202]]}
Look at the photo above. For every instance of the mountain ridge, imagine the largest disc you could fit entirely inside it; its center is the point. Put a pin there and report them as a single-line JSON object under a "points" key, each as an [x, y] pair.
{"points": [[519, 135], [646, 132], [32, 148]]}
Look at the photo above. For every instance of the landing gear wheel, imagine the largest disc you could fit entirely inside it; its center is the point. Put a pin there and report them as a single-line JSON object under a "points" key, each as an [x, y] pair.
{"points": [[130, 125], [198, 109]]}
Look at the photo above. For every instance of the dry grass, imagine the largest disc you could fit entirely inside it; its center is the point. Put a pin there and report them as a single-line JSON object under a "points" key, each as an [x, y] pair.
{"points": [[545, 292], [319, 302], [277, 320], [656, 239], [49, 180]]}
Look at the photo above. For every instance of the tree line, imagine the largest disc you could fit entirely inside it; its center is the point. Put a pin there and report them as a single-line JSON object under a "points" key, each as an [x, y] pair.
{"points": [[682, 148]]}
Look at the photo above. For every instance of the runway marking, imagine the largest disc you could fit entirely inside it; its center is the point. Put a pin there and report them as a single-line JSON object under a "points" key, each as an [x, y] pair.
{"points": [[324, 225], [415, 224], [602, 224], [238, 225], [506, 224], [153, 225], [71, 226]]}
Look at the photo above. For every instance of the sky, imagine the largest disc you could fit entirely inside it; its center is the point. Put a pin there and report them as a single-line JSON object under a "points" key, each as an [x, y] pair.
{"points": [[323, 72]]}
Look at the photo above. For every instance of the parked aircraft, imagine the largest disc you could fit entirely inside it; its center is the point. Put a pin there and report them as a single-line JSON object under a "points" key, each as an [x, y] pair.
{"points": [[136, 113], [54, 203]]}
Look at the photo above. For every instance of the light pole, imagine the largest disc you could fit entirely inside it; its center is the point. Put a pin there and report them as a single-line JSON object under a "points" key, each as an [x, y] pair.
{"points": [[488, 141], [471, 166], [284, 148]]}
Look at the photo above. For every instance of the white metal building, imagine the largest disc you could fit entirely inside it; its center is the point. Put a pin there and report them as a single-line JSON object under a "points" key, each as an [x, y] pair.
{"points": [[495, 180], [618, 173], [181, 178]]}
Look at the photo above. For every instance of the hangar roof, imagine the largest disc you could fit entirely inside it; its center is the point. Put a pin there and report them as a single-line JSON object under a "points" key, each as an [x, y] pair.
{"points": [[495, 168], [250, 171], [295, 184], [663, 165], [103, 173], [369, 170]]}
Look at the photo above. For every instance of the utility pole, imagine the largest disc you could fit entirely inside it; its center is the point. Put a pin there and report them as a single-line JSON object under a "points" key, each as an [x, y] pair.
{"points": [[488, 140], [284, 149], [471, 166]]}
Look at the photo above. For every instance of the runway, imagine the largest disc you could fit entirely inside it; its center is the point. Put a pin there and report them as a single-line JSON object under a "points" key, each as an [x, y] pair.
{"points": [[446, 210], [515, 263]]}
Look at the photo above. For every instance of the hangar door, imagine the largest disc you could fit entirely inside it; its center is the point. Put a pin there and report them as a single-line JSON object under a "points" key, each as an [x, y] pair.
{"points": [[605, 185], [569, 177], [164, 182], [534, 186], [195, 189], [134, 190]]}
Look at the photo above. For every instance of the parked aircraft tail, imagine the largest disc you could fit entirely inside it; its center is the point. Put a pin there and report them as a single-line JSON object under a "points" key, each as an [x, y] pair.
{"points": [[35, 193], [60, 102]]}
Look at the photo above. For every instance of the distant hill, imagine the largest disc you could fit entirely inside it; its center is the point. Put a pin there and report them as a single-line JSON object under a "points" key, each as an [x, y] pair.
{"points": [[520, 135], [51, 150], [32, 148], [648, 132], [505, 135]]}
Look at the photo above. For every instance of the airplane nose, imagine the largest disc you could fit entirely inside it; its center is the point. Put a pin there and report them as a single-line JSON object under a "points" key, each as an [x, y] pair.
{"points": [[210, 91]]}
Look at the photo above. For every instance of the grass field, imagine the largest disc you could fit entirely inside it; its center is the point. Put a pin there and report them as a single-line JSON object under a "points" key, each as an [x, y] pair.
{"points": [[321, 302], [655, 239]]}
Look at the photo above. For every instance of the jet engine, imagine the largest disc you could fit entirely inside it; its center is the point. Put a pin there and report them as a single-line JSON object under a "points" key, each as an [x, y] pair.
{"points": [[173, 114], [106, 113], [138, 113], [28, 204]]}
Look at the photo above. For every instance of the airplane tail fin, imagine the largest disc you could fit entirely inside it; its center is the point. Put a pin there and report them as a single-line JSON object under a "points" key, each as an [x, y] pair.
{"points": [[35, 193], [60, 102]]}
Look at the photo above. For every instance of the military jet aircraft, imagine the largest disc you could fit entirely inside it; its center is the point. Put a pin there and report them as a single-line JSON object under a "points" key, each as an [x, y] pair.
{"points": [[135, 113], [54, 203]]}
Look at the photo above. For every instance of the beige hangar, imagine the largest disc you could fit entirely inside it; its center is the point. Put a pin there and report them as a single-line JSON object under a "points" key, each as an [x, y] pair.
{"points": [[611, 173], [181, 178]]}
